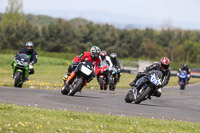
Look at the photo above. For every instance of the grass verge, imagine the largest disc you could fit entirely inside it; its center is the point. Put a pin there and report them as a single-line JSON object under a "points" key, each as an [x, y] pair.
{"points": [[31, 119]]}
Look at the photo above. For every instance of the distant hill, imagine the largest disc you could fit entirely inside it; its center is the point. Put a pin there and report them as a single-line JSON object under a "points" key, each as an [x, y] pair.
{"points": [[42, 20]]}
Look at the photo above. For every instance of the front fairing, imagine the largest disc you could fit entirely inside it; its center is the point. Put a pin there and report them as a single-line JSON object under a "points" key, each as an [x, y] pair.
{"points": [[103, 70], [85, 70], [183, 74], [22, 60], [182, 77], [155, 78]]}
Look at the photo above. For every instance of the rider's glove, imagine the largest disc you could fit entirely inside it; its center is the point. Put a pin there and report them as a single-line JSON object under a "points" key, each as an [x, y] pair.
{"points": [[32, 62], [75, 63], [160, 86]]}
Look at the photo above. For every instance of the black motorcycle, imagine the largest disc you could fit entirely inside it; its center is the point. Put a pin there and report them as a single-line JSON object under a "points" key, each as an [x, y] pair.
{"points": [[113, 78], [149, 85], [83, 74]]}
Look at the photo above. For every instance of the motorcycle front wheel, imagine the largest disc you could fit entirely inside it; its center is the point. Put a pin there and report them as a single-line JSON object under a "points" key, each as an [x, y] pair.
{"points": [[78, 85], [18, 79], [142, 95]]}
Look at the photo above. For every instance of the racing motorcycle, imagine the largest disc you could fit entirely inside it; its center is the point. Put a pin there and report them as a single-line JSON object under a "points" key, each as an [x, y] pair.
{"points": [[182, 75], [20, 69], [103, 76], [149, 84], [113, 78], [83, 74]]}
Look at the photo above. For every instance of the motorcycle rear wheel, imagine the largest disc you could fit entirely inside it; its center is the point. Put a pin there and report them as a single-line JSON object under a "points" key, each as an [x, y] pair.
{"points": [[65, 89], [127, 97]]}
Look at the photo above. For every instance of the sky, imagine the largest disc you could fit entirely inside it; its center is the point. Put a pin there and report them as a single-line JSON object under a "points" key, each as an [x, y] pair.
{"points": [[183, 14]]}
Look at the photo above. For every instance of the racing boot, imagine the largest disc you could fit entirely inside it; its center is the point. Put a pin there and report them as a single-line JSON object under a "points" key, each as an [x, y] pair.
{"points": [[133, 83], [158, 93], [66, 75]]}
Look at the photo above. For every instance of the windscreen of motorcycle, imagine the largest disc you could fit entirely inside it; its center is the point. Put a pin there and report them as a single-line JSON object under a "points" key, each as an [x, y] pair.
{"points": [[23, 59], [156, 77]]}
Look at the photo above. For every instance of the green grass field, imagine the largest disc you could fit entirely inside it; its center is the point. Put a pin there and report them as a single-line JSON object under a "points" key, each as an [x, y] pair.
{"points": [[49, 72], [31, 119]]}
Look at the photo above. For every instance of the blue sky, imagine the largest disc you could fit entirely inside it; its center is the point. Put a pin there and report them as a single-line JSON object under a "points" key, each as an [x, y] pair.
{"points": [[148, 13]]}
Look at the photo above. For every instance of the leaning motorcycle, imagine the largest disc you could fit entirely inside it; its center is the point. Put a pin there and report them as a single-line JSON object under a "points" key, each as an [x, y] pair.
{"points": [[83, 74], [113, 78], [182, 75], [103, 76], [20, 69], [149, 85]]}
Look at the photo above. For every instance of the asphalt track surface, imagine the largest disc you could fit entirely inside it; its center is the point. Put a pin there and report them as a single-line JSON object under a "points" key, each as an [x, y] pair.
{"points": [[174, 104]]}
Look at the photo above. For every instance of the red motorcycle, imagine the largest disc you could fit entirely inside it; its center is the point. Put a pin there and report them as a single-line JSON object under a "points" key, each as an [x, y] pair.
{"points": [[102, 77]]}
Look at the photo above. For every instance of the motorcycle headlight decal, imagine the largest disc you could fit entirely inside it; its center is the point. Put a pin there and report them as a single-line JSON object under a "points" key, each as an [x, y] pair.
{"points": [[86, 70]]}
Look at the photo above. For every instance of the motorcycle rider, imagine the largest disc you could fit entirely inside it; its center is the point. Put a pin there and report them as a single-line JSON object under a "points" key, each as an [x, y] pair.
{"points": [[92, 56], [163, 66], [187, 69], [105, 60], [115, 62], [28, 49]]}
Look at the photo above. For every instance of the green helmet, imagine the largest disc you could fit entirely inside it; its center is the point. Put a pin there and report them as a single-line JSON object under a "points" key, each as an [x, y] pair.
{"points": [[95, 52]]}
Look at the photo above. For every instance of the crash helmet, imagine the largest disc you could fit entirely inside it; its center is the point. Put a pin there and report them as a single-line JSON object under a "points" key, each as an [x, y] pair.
{"points": [[185, 66], [165, 62], [103, 55], [113, 57], [29, 46], [95, 52]]}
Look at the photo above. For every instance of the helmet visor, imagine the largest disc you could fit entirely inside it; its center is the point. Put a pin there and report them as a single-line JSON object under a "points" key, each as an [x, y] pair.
{"points": [[29, 47], [165, 67], [96, 55]]}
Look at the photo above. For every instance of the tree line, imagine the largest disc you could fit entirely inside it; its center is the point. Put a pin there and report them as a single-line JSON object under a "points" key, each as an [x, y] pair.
{"points": [[79, 35]]}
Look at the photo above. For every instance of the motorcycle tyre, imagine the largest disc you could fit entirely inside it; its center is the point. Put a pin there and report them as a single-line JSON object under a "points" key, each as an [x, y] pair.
{"points": [[142, 96], [65, 90], [127, 97], [18, 78], [78, 86]]}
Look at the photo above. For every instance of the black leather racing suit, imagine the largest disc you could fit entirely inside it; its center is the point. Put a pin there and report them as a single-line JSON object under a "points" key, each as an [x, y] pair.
{"points": [[156, 66]]}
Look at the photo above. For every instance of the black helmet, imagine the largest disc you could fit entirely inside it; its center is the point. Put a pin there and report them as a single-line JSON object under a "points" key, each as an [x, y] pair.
{"points": [[185, 66], [29, 46], [113, 57]]}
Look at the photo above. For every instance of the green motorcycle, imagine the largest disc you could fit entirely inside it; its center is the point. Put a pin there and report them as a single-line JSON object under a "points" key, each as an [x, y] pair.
{"points": [[21, 69]]}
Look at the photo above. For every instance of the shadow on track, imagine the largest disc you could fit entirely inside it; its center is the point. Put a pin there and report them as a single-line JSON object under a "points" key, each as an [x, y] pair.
{"points": [[87, 96], [143, 104]]}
